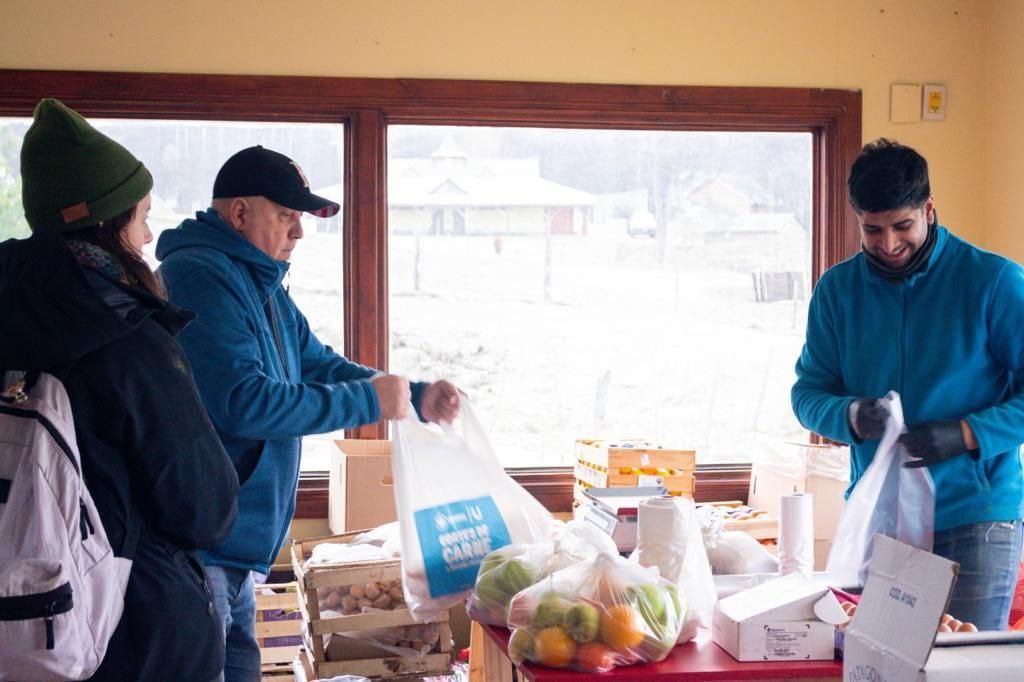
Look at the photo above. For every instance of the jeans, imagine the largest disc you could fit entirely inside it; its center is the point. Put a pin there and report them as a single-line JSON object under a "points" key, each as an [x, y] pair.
{"points": [[988, 554], [235, 602]]}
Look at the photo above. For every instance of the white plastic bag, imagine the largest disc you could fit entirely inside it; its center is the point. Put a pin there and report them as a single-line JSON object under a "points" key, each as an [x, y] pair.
{"points": [[889, 500], [455, 504], [732, 552], [669, 537]]}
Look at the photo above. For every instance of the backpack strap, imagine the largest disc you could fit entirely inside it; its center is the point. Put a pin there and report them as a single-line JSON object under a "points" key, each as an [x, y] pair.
{"points": [[17, 391]]}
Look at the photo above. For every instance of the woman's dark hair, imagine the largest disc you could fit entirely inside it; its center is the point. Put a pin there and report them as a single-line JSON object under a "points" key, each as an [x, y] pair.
{"points": [[109, 236], [887, 176]]}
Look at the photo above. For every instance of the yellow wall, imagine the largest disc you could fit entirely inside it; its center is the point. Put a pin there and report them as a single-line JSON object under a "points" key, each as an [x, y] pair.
{"points": [[970, 45], [1002, 176]]}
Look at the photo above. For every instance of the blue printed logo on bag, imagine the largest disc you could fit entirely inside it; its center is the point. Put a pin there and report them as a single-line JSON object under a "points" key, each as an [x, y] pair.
{"points": [[454, 539]]}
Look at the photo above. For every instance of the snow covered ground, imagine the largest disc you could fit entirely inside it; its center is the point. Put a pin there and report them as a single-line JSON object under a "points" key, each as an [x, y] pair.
{"points": [[622, 346]]}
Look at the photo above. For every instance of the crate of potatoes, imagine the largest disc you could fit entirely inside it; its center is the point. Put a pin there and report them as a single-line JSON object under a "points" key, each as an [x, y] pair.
{"points": [[356, 620], [633, 463]]}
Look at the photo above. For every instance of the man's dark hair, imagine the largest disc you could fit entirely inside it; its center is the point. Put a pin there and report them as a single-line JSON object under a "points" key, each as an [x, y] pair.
{"points": [[886, 176]]}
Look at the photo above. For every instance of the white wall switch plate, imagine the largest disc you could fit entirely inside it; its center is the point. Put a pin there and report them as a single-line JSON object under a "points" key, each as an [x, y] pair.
{"points": [[904, 103]]}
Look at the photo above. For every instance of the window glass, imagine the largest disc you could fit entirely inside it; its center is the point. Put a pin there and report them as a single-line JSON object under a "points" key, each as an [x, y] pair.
{"points": [[12, 216], [184, 157], [603, 283]]}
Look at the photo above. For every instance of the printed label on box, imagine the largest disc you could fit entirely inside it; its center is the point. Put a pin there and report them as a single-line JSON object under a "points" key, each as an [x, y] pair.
{"points": [[454, 539], [650, 480], [781, 642]]}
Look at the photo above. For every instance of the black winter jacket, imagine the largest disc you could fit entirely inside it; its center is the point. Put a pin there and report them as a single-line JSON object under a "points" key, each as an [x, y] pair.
{"points": [[150, 457]]}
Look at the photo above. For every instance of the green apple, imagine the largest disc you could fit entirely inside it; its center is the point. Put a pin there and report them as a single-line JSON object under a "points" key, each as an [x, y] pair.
{"points": [[550, 611], [677, 602], [582, 622], [520, 645], [649, 599], [493, 560], [514, 576], [497, 586]]}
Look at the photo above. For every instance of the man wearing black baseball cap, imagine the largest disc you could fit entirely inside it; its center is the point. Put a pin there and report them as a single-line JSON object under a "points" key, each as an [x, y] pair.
{"points": [[264, 377]]}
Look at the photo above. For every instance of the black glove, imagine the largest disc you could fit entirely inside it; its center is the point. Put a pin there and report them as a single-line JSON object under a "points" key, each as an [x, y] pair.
{"points": [[868, 417], [933, 442]]}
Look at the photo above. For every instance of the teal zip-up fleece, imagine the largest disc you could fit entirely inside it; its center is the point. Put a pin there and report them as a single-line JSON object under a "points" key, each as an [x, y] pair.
{"points": [[950, 340], [264, 377]]}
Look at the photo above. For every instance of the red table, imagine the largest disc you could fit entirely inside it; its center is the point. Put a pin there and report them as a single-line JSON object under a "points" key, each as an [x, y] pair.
{"points": [[700, 659]]}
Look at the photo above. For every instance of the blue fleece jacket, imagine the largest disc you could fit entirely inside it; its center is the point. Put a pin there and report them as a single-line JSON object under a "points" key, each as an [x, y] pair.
{"points": [[949, 340], [262, 374]]}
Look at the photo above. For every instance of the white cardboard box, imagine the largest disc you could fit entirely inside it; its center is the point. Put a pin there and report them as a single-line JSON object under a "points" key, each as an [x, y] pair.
{"points": [[893, 635], [791, 618], [821, 470]]}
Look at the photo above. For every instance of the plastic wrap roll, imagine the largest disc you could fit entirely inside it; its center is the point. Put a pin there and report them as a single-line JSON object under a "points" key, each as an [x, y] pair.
{"points": [[669, 536], [662, 535], [796, 534]]}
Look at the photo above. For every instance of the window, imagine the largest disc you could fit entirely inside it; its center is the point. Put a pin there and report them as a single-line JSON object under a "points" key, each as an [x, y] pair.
{"points": [[184, 157], [603, 282], [12, 217], [370, 109]]}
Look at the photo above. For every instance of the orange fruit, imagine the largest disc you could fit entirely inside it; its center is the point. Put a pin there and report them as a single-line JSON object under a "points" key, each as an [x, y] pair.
{"points": [[595, 657], [553, 647], [621, 627]]}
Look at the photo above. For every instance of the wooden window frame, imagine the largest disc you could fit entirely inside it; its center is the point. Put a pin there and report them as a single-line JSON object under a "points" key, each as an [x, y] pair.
{"points": [[367, 106]]}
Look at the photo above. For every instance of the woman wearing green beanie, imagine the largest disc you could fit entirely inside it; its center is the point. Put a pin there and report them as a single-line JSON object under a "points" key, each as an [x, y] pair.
{"points": [[81, 304]]}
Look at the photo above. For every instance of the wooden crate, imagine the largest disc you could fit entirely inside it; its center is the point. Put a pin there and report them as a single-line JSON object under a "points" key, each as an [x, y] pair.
{"points": [[315, 578], [276, 658], [763, 527], [628, 464]]}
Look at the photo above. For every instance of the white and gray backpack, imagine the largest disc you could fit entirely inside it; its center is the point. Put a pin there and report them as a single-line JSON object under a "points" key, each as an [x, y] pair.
{"points": [[61, 587]]}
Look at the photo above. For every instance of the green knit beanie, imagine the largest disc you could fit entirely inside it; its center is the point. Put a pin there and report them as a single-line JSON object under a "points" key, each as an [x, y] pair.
{"points": [[72, 175]]}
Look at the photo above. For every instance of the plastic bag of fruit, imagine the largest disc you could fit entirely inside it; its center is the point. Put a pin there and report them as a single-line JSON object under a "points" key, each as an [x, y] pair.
{"points": [[596, 615], [504, 573], [510, 569]]}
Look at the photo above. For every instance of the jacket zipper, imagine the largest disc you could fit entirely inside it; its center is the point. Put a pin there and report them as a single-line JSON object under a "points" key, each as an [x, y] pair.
{"points": [[272, 314], [903, 336]]}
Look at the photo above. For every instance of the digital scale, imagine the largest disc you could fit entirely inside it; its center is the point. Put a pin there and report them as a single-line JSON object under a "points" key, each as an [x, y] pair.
{"points": [[615, 511]]}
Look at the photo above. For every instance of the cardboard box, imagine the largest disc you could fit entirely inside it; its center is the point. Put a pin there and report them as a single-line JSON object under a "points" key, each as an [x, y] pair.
{"points": [[821, 470], [894, 635], [791, 618], [360, 494]]}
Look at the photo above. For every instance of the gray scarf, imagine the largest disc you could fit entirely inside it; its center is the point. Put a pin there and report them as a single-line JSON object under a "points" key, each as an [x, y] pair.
{"points": [[916, 262]]}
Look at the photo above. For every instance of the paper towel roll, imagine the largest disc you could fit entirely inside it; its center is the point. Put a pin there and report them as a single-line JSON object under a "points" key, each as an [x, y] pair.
{"points": [[661, 535], [796, 534]]}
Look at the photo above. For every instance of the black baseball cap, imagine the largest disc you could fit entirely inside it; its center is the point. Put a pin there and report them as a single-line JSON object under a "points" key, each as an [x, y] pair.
{"points": [[259, 172]]}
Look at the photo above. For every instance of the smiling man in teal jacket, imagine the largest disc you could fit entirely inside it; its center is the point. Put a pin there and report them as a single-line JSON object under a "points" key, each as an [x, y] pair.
{"points": [[264, 377], [941, 322]]}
